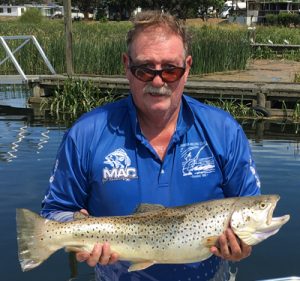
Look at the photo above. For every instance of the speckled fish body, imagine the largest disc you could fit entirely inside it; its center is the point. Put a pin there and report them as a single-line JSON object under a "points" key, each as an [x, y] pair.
{"points": [[153, 234]]}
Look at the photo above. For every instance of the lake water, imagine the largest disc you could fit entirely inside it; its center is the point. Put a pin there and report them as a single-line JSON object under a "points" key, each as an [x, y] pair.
{"points": [[27, 152]]}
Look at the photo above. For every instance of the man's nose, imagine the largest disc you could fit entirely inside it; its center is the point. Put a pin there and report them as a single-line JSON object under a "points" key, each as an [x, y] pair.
{"points": [[157, 81]]}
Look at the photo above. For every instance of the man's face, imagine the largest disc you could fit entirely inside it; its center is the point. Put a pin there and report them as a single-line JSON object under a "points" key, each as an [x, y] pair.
{"points": [[157, 49]]}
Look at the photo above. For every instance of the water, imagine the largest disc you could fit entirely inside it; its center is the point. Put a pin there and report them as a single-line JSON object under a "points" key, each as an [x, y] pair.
{"points": [[27, 153]]}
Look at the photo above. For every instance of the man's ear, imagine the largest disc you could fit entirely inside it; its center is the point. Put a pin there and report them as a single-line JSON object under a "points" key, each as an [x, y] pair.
{"points": [[189, 61], [125, 60], [188, 64]]}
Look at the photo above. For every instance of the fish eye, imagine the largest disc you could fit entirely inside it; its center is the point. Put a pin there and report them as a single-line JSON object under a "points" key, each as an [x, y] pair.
{"points": [[263, 205]]}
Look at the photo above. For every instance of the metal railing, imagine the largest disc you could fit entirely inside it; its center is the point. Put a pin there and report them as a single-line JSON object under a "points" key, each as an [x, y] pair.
{"points": [[10, 54]]}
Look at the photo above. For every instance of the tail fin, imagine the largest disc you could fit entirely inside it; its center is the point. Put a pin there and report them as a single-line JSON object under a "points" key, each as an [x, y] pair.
{"points": [[32, 245]]}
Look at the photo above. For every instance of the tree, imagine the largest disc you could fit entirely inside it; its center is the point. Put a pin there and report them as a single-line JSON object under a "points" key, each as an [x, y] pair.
{"points": [[85, 6], [123, 8]]}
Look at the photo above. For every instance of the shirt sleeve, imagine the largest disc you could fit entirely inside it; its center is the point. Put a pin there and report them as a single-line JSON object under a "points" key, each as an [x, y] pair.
{"points": [[240, 175], [67, 190]]}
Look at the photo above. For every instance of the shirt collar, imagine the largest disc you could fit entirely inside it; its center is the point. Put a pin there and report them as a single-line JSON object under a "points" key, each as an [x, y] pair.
{"points": [[184, 122]]}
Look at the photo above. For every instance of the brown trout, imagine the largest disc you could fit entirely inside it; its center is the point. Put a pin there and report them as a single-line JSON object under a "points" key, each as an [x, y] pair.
{"points": [[154, 234]]}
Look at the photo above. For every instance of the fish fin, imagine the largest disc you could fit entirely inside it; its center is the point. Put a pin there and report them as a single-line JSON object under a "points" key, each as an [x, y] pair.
{"points": [[140, 265], [33, 247], [79, 216], [145, 207], [74, 249], [211, 241]]}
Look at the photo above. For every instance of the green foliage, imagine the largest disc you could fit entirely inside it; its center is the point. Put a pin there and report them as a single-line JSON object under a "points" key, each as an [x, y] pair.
{"points": [[296, 113], [236, 108], [77, 97], [278, 35], [219, 49], [271, 19], [32, 16], [98, 48], [283, 19]]}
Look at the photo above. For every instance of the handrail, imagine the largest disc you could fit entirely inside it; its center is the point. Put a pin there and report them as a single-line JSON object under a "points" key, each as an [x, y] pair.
{"points": [[10, 53]]}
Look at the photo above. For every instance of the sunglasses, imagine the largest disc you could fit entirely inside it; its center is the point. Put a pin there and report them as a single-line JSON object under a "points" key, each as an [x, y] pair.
{"points": [[145, 74]]}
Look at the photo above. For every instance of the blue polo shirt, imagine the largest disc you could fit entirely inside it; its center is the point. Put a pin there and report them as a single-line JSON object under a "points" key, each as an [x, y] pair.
{"points": [[107, 166]]}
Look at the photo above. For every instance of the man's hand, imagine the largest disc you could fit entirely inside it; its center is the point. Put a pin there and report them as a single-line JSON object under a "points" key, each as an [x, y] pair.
{"points": [[101, 253], [230, 247]]}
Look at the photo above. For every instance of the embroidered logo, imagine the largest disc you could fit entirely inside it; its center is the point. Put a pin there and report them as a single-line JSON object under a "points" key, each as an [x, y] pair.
{"points": [[195, 164], [119, 169]]}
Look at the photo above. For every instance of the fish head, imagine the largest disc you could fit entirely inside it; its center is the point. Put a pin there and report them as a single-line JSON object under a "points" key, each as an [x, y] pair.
{"points": [[252, 219]]}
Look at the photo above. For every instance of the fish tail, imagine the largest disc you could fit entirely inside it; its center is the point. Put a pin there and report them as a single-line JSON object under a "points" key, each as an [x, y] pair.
{"points": [[33, 247]]}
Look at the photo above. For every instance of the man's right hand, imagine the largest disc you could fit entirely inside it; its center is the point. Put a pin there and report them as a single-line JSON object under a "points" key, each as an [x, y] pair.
{"points": [[101, 253]]}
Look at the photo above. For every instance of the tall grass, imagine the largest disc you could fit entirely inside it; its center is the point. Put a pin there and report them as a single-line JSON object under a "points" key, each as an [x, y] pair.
{"points": [[277, 35], [98, 47], [76, 97], [219, 49]]}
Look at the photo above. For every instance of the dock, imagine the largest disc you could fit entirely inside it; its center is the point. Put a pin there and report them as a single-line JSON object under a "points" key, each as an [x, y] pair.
{"points": [[268, 96], [265, 84], [272, 97]]}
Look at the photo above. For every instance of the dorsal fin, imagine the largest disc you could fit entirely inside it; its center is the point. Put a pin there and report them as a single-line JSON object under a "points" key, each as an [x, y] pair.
{"points": [[145, 207]]}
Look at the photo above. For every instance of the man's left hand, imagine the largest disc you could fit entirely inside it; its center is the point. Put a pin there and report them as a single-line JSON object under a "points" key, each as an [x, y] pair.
{"points": [[230, 247]]}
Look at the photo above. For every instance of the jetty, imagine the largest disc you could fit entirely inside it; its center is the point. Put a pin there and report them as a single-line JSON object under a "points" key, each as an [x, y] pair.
{"points": [[266, 85], [271, 98]]}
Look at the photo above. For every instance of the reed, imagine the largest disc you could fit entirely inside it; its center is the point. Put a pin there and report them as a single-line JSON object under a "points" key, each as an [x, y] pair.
{"points": [[76, 97], [296, 113], [237, 108], [98, 47], [277, 35]]}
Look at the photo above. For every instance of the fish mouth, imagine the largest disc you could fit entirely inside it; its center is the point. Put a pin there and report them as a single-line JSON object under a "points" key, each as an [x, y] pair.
{"points": [[273, 224], [273, 227]]}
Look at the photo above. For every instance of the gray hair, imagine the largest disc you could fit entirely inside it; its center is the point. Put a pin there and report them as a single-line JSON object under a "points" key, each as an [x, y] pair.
{"points": [[153, 19]]}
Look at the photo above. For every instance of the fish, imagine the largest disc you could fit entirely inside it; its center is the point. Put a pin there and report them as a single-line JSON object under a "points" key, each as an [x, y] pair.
{"points": [[154, 234]]}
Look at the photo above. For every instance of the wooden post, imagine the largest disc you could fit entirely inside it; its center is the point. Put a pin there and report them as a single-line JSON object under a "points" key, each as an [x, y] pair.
{"points": [[68, 34]]}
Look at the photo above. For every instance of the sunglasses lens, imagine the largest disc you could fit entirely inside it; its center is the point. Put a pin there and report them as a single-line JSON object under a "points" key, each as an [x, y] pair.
{"points": [[167, 75], [144, 74], [172, 74]]}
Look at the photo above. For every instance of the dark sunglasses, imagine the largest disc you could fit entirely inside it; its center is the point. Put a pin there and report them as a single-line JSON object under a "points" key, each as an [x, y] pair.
{"points": [[145, 74]]}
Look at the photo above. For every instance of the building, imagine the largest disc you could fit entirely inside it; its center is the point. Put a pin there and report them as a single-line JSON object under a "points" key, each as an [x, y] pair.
{"points": [[11, 11]]}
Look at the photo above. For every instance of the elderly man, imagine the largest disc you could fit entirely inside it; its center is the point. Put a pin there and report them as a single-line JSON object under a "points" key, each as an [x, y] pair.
{"points": [[155, 146]]}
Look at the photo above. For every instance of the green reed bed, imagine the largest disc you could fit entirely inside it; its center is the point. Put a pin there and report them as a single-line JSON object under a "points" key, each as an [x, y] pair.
{"points": [[98, 47], [219, 49], [277, 35], [76, 97]]}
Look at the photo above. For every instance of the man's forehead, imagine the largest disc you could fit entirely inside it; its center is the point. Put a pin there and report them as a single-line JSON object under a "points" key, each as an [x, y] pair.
{"points": [[161, 44]]}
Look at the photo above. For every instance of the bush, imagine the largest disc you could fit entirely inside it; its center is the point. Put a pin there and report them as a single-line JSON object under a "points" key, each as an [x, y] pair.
{"points": [[283, 19], [32, 15], [271, 19]]}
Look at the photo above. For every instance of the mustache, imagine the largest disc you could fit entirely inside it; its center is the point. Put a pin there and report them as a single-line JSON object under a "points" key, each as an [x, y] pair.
{"points": [[165, 90]]}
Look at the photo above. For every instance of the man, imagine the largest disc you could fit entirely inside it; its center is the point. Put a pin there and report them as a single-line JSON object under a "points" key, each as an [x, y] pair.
{"points": [[156, 146]]}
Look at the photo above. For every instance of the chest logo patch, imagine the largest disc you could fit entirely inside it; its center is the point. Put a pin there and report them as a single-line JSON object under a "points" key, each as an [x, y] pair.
{"points": [[195, 160], [119, 166]]}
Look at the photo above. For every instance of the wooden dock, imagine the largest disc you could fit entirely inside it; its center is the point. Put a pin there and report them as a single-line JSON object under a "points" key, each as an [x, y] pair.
{"points": [[272, 96]]}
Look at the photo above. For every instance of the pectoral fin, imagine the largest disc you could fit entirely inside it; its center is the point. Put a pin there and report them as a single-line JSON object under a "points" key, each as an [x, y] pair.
{"points": [[74, 249], [140, 265], [210, 241]]}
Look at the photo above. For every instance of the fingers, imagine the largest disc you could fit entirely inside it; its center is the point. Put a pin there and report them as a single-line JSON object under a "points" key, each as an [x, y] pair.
{"points": [[100, 254], [230, 247], [84, 211]]}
